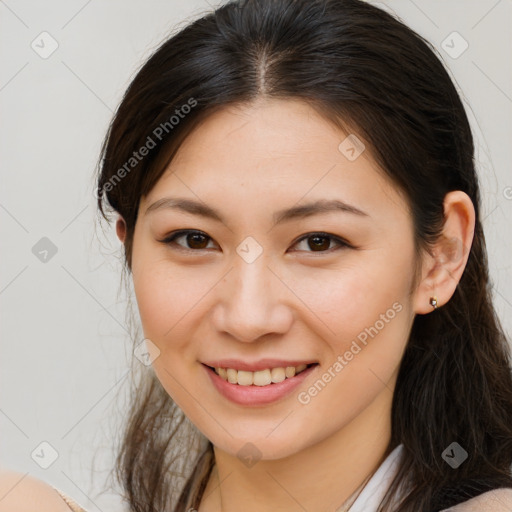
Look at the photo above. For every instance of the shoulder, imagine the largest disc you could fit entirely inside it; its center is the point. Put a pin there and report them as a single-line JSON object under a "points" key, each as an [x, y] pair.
{"points": [[497, 500], [20, 492]]}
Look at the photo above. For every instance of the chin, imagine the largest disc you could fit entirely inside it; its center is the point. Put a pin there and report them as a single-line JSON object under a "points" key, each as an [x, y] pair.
{"points": [[270, 445]]}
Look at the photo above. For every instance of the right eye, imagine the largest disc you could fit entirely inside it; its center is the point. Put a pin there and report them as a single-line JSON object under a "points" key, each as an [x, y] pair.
{"points": [[195, 239]]}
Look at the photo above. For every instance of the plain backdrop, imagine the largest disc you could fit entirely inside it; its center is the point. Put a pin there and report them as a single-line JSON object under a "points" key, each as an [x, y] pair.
{"points": [[65, 348]]}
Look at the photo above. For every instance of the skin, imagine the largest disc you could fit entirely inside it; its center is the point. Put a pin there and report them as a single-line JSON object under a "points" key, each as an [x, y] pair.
{"points": [[21, 492], [292, 302]]}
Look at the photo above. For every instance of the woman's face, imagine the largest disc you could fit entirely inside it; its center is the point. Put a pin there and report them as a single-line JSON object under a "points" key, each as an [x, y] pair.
{"points": [[261, 289]]}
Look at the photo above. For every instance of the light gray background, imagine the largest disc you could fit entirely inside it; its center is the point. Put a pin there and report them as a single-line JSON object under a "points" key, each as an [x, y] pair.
{"points": [[65, 347]]}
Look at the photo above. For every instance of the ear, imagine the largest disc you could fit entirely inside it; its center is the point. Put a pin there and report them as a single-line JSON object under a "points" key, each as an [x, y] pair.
{"points": [[121, 229], [443, 268]]}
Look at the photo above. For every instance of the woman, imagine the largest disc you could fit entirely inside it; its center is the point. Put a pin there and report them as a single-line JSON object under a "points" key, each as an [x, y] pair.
{"points": [[372, 375]]}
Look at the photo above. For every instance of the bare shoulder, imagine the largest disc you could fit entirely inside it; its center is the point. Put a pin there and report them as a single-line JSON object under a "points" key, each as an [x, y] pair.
{"points": [[497, 500], [20, 492]]}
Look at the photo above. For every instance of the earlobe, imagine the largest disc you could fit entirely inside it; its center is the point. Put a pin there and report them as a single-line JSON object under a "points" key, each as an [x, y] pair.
{"points": [[444, 267], [121, 229]]}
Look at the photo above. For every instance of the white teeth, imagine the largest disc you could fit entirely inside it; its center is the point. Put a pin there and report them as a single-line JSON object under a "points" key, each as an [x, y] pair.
{"points": [[245, 378], [232, 376], [289, 371], [277, 375], [259, 378]]}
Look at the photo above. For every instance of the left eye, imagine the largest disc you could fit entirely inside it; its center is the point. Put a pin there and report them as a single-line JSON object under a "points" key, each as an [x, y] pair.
{"points": [[197, 240], [320, 242]]}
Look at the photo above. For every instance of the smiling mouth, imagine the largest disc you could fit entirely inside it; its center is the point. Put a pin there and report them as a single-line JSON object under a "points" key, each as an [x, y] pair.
{"points": [[265, 377]]}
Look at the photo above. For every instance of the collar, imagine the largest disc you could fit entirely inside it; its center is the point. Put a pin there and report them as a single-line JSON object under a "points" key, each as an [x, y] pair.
{"points": [[376, 488]]}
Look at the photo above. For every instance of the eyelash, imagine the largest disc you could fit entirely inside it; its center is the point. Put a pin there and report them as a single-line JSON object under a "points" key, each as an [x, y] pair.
{"points": [[170, 240]]}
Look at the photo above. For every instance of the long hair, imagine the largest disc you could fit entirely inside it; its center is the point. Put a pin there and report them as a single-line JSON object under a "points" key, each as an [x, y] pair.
{"points": [[364, 70]]}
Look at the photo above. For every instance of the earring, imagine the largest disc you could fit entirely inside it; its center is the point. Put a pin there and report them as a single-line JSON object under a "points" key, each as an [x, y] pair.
{"points": [[433, 302]]}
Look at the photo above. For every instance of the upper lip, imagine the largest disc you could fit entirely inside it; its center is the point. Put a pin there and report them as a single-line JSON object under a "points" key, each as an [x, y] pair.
{"points": [[255, 366]]}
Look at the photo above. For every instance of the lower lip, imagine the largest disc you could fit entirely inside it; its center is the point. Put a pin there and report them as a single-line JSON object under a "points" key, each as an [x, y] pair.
{"points": [[257, 395]]}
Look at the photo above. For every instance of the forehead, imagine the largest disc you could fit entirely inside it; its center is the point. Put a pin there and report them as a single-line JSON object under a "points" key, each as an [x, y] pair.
{"points": [[273, 151]]}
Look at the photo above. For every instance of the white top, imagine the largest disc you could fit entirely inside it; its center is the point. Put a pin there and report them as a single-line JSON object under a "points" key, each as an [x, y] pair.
{"points": [[374, 490], [370, 497]]}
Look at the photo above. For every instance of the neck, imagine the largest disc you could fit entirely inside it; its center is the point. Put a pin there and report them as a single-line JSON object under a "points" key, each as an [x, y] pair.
{"points": [[321, 477]]}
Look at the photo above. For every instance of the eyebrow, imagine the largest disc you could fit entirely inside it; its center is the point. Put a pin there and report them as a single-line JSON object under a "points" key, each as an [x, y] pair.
{"points": [[296, 212]]}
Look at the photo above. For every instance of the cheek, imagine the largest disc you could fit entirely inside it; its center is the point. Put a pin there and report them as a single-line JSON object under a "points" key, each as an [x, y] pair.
{"points": [[371, 291], [368, 312], [369, 320], [167, 298], [166, 293], [363, 313], [173, 306]]}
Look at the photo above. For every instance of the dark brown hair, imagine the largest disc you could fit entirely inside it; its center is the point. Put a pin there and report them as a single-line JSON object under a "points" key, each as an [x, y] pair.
{"points": [[361, 68]]}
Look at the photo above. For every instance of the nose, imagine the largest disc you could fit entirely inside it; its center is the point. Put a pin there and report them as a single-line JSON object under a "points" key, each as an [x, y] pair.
{"points": [[253, 302]]}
